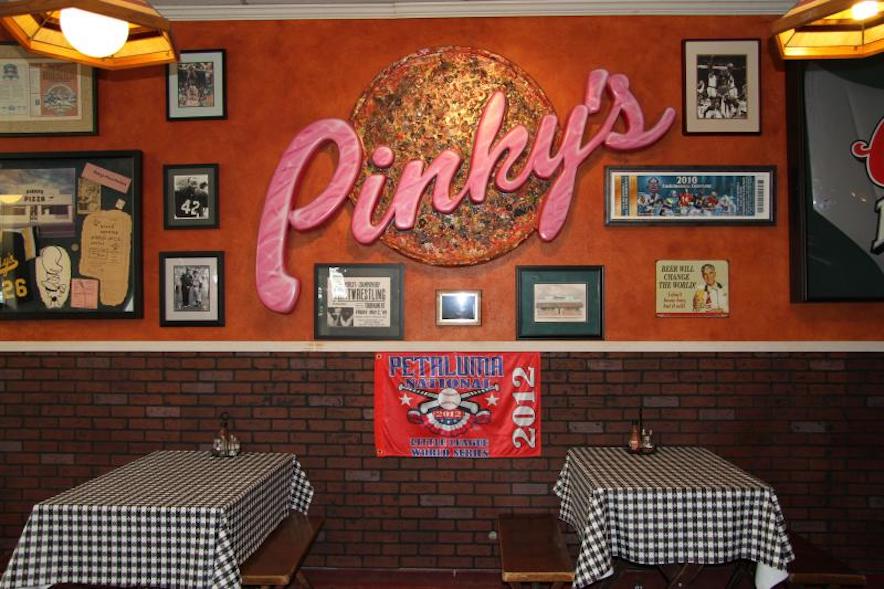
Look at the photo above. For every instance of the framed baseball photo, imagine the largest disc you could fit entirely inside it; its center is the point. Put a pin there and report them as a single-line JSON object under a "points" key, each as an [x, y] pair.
{"points": [[196, 86], [722, 86], [192, 289], [190, 196]]}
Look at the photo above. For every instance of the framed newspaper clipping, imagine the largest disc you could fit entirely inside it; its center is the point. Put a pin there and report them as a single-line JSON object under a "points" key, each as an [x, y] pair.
{"points": [[690, 195], [358, 301], [43, 96]]}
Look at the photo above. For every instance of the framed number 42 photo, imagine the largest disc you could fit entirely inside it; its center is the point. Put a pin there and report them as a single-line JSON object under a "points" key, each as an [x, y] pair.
{"points": [[190, 196]]}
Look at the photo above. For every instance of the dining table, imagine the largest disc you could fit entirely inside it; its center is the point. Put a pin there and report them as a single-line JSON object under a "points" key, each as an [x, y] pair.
{"points": [[183, 519], [678, 505]]}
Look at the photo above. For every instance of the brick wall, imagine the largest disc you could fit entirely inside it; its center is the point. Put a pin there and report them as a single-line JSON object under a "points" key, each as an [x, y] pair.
{"points": [[810, 424]]}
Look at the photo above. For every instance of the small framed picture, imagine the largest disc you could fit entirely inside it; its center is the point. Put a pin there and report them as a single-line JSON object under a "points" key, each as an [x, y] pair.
{"points": [[358, 301], [722, 86], [559, 302], [458, 307], [190, 196], [191, 289], [196, 86]]}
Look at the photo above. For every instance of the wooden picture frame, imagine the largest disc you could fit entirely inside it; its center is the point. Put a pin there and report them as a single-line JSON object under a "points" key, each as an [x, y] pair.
{"points": [[71, 235], [190, 196], [358, 301], [722, 86], [559, 302], [836, 193], [62, 103], [196, 86], [192, 289]]}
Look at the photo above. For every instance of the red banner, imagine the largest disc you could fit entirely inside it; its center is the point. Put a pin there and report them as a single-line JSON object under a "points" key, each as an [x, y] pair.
{"points": [[457, 404]]}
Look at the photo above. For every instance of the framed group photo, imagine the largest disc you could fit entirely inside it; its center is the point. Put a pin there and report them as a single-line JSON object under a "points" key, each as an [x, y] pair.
{"points": [[690, 195], [44, 96], [722, 86], [190, 196], [559, 302], [358, 301], [192, 289], [458, 307], [196, 86]]}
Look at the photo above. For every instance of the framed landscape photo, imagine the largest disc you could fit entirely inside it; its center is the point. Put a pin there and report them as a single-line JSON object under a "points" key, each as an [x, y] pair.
{"points": [[458, 307], [191, 289], [190, 196], [358, 301], [722, 86], [43, 96], [559, 302], [70, 235], [196, 86], [690, 195]]}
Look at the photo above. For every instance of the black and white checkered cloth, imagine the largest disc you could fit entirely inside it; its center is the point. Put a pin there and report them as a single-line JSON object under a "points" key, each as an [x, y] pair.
{"points": [[170, 520], [678, 505]]}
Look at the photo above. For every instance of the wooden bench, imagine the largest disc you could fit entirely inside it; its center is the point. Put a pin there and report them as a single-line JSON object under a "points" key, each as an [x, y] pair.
{"points": [[814, 567], [279, 557], [532, 550]]}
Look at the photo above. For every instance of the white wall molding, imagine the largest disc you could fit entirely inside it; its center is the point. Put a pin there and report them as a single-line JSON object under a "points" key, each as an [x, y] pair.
{"points": [[288, 10], [442, 346]]}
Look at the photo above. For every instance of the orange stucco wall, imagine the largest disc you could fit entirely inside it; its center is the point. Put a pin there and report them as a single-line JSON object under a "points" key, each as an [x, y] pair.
{"points": [[283, 75]]}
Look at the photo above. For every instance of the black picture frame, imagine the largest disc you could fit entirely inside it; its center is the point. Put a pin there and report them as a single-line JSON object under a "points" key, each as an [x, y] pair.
{"points": [[199, 77], [736, 105], [827, 264], [190, 196], [560, 302], [374, 313], [83, 260], [752, 192], [198, 302], [55, 97]]}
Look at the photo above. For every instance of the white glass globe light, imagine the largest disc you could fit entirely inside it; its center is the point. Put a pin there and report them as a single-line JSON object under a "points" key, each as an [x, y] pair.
{"points": [[93, 34], [864, 10]]}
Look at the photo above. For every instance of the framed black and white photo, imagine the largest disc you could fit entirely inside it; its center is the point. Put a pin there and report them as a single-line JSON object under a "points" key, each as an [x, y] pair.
{"points": [[358, 301], [196, 86], [190, 196], [191, 289], [722, 86], [458, 307], [559, 302]]}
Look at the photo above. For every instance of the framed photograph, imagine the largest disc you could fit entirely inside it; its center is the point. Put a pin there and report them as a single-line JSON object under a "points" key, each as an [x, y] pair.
{"points": [[191, 289], [690, 195], [196, 86], [559, 302], [358, 301], [458, 307], [70, 235], [43, 96], [692, 288], [836, 181], [190, 196], [722, 86]]}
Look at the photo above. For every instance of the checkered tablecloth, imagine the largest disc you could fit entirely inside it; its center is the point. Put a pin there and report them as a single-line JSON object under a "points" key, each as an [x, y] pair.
{"points": [[170, 520], [678, 505]]}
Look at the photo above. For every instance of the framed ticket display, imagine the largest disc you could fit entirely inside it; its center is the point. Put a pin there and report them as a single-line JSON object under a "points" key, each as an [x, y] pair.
{"points": [[358, 301], [70, 235], [690, 195], [43, 96]]}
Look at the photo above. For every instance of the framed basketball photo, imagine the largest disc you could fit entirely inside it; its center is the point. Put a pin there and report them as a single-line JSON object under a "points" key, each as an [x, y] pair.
{"points": [[190, 196]]}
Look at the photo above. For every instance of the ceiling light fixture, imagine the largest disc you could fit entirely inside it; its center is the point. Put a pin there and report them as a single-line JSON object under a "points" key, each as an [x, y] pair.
{"points": [[109, 34], [831, 29]]}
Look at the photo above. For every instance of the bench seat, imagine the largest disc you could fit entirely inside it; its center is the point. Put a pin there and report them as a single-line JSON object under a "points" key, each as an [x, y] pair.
{"points": [[532, 550], [279, 557], [814, 567]]}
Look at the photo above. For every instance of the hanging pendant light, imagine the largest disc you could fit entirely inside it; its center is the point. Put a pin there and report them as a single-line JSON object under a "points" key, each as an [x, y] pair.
{"points": [[831, 29], [109, 34]]}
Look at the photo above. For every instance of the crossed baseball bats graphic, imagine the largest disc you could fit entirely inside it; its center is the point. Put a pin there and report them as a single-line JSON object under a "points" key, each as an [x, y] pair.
{"points": [[427, 406]]}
